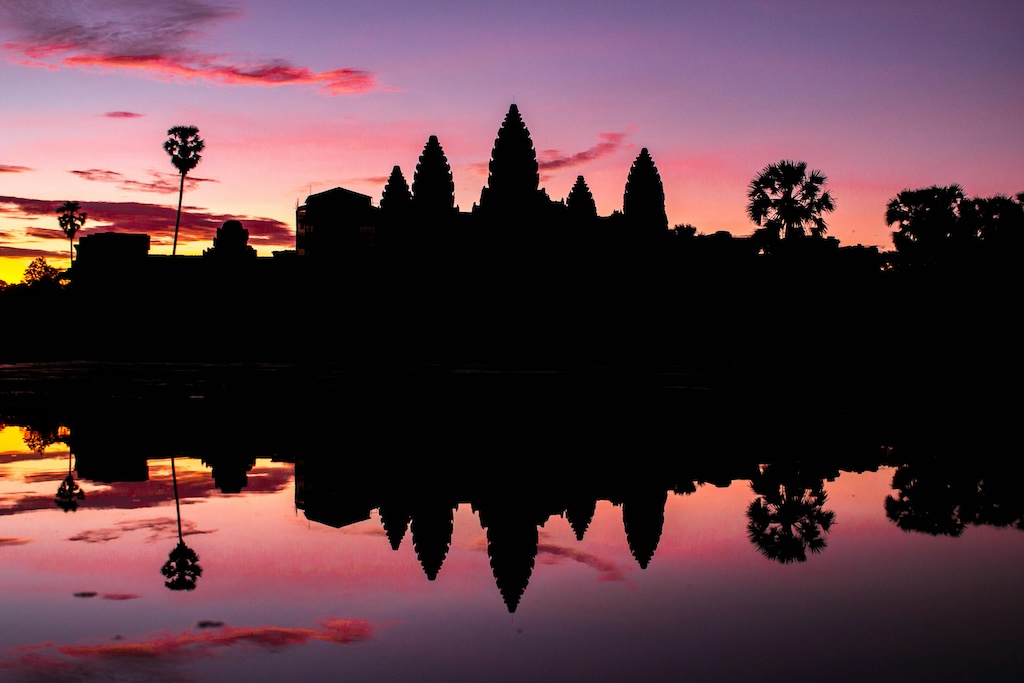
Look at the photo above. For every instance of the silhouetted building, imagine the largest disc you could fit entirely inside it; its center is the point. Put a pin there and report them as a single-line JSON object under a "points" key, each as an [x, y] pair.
{"points": [[231, 242], [106, 251], [333, 222]]}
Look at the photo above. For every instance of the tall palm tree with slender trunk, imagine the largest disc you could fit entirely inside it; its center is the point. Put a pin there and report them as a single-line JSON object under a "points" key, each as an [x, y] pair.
{"points": [[788, 202], [71, 219], [184, 145]]}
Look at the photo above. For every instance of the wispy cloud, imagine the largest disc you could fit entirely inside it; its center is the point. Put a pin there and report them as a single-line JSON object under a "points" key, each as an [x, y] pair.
{"points": [[122, 115], [152, 37], [552, 159], [5, 168], [160, 183]]}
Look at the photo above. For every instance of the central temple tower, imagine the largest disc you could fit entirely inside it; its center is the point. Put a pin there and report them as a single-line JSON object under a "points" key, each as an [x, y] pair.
{"points": [[513, 180]]}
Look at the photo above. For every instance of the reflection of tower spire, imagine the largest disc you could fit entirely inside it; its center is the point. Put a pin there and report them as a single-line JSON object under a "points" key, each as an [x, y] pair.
{"points": [[643, 516], [395, 520], [512, 540], [432, 527], [580, 513]]}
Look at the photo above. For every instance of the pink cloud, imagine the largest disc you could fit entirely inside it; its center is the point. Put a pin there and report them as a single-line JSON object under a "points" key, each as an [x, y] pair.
{"points": [[155, 220], [161, 183], [552, 159], [122, 115], [198, 66], [4, 168], [153, 39]]}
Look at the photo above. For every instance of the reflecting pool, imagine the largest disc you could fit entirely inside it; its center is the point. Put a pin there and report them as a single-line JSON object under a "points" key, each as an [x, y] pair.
{"points": [[229, 567]]}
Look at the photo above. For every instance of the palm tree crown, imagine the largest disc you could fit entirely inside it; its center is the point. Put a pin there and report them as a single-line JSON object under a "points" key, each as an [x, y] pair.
{"points": [[71, 220], [789, 202], [184, 145]]}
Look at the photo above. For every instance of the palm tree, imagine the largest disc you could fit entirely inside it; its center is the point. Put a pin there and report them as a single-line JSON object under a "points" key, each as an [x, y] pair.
{"points": [[184, 146], [181, 569], [71, 220], [929, 224], [785, 200]]}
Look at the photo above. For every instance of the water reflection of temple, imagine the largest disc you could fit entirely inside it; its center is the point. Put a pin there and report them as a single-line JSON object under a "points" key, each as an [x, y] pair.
{"points": [[511, 512], [398, 450]]}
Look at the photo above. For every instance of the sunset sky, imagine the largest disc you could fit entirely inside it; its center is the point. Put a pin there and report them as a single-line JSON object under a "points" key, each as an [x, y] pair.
{"points": [[299, 97]]}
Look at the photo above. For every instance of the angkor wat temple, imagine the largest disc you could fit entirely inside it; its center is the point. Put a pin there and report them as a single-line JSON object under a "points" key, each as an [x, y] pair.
{"points": [[514, 212], [518, 278]]}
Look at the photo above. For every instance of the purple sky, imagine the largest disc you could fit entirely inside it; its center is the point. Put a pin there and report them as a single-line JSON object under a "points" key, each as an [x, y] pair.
{"points": [[305, 96]]}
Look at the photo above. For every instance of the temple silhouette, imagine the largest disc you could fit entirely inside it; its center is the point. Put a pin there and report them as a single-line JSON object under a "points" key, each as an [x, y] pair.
{"points": [[514, 214]]}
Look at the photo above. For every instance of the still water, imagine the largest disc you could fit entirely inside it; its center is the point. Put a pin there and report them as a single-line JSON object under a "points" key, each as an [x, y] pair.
{"points": [[290, 571]]}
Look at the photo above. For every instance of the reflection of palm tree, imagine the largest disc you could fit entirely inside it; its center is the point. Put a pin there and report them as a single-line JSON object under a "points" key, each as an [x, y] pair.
{"points": [[69, 492], [931, 499], [788, 518], [182, 569]]}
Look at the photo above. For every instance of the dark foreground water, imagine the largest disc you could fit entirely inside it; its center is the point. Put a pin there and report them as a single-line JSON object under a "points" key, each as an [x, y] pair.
{"points": [[188, 535]]}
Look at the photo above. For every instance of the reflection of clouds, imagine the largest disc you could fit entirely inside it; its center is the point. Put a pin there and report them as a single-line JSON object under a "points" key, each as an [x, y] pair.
{"points": [[160, 528], [10, 540], [25, 503], [606, 571], [44, 477], [339, 631], [154, 660], [67, 660], [193, 486]]}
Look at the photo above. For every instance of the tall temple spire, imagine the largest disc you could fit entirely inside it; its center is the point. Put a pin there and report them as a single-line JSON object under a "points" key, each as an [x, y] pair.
{"points": [[643, 203], [513, 179], [580, 201], [513, 169], [433, 189]]}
